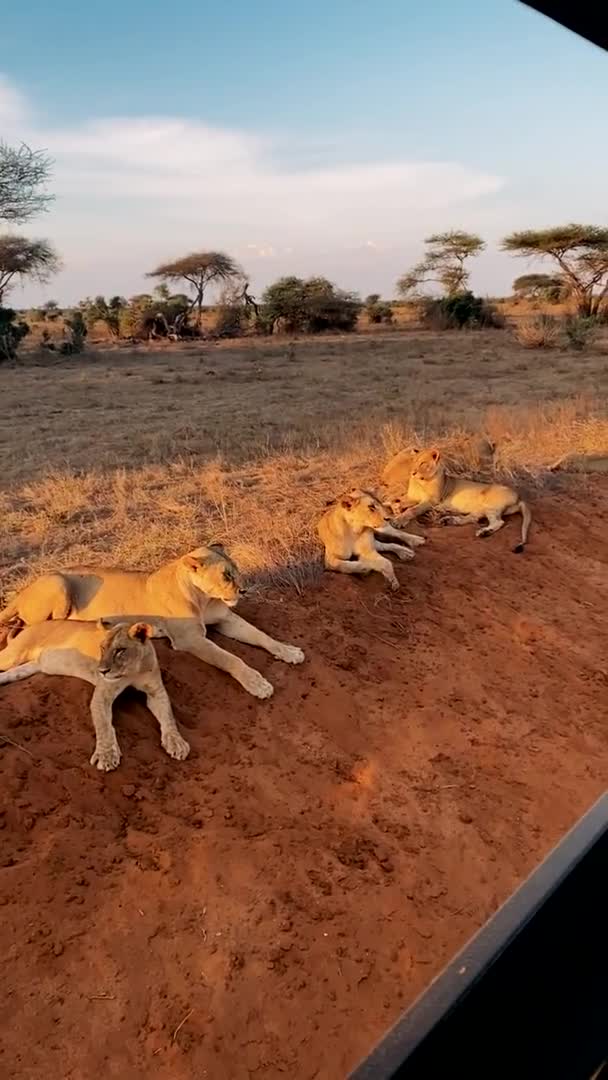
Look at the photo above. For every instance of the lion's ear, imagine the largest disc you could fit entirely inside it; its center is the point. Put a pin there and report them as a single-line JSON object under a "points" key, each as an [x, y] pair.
{"points": [[346, 502], [217, 546], [191, 562], [141, 631], [435, 454]]}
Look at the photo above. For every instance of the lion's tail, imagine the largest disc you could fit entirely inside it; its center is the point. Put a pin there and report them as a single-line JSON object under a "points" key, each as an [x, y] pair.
{"points": [[526, 519]]}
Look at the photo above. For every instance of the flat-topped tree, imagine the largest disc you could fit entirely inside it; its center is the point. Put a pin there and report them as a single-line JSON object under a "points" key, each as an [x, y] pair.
{"points": [[199, 269], [21, 258], [550, 287], [444, 263], [580, 252]]}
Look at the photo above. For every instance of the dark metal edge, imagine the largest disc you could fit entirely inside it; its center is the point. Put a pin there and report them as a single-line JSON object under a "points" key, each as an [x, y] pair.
{"points": [[484, 948]]}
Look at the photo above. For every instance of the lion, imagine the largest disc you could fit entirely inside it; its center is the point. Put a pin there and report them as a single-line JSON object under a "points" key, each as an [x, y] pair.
{"points": [[182, 597], [467, 502], [109, 657], [352, 530], [477, 450]]}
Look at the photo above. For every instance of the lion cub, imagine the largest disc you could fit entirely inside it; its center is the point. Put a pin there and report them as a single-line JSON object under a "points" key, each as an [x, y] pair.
{"points": [[431, 487], [110, 659], [348, 531]]}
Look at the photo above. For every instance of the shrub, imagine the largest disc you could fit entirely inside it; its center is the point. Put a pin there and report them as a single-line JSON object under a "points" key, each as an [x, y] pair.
{"points": [[377, 310], [308, 307], [542, 332], [581, 330], [12, 332], [229, 321], [76, 330], [145, 317], [461, 311], [104, 311]]}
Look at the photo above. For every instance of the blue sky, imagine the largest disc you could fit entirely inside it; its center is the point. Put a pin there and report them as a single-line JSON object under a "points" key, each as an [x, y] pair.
{"points": [[312, 138]]}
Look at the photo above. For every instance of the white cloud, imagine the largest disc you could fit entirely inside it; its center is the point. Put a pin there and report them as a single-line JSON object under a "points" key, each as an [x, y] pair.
{"points": [[146, 187]]}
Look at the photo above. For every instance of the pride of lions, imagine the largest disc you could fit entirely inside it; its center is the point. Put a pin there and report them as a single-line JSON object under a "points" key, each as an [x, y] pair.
{"points": [[96, 624]]}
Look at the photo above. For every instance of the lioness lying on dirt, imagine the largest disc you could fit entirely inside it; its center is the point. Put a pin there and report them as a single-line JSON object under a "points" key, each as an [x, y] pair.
{"points": [[354, 526], [466, 501], [183, 597], [109, 658]]}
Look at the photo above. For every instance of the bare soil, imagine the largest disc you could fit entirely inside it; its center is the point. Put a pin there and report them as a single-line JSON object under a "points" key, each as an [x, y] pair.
{"points": [[268, 907]]}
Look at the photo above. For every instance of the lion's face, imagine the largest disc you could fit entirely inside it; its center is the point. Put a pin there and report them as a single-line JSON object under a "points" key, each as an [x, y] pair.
{"points": [[426, 464], [365, 511], [125, 651], [213, 572]]}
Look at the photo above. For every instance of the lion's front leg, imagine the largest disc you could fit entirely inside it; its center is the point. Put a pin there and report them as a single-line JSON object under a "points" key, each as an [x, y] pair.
{"points": [[233, 626], [194, 642], [106, 755], [160, 707]]}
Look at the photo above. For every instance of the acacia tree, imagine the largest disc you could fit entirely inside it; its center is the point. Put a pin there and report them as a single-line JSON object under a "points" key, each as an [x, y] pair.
{"points": [[199, 270], [444, 263], [580, 252], [23, 172], [23, 258], [549, 287]]}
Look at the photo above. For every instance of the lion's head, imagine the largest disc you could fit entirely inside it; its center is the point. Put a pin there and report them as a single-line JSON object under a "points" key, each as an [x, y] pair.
{"points": [[125, 650], [212, 571]]}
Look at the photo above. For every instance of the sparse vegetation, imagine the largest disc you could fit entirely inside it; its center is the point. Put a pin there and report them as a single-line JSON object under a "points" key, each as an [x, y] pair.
{"points": [[541, 332], [146, 317], [581, 330], [581, 255], [445, 263], [460, 311], [21, 258], [12, 331], [378, 310], [199, 270], [23, 174], [548, 288], [104, 311], [293, 305]]}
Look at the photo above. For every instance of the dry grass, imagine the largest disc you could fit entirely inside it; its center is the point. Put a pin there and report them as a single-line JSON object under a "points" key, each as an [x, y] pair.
{"points": [[542, 332], [131, 458]]}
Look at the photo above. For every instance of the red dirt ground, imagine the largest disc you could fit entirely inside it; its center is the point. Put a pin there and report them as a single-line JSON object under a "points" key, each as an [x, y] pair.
{"points": [[269, 906]]}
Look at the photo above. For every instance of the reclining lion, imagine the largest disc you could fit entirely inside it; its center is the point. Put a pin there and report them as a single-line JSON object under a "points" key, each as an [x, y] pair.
{"points": [[109, 658], [466, 501], [183, 597], [354, 530]]}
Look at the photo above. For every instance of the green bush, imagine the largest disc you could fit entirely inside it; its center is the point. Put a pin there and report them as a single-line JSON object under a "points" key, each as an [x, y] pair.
{"points": [[377, 310], [309, 307], [12, 332], [581, 330], [460, 311], [145, 317], [76, 330]]}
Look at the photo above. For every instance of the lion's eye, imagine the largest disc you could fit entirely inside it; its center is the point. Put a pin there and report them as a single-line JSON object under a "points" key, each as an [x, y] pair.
{"points": [[119, 652], [227, 575]]}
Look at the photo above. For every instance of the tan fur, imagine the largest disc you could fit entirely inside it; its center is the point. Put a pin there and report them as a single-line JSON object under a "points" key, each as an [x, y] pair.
{"points": [[109, 658], [477, 450], [355, 525], [183, 597], [466, 501]]}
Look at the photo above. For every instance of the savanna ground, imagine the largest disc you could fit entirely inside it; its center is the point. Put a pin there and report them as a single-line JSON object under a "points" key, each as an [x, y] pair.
{"points": [[270, 905]]}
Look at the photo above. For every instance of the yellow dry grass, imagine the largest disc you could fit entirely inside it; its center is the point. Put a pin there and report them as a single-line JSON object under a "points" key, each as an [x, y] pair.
{"points": [[131, 457]]}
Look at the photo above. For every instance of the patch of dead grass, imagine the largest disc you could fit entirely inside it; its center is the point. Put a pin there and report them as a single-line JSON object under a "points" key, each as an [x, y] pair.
{"points": [[264, 509]]}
